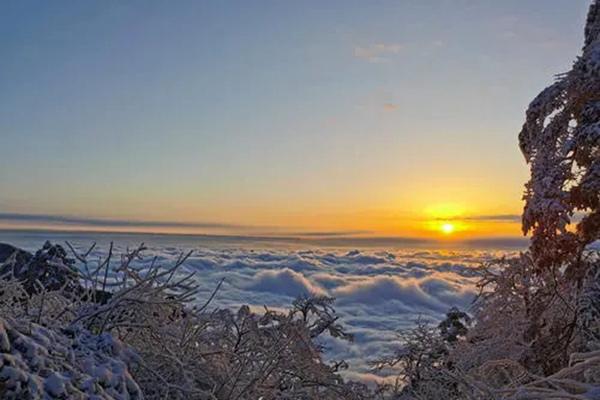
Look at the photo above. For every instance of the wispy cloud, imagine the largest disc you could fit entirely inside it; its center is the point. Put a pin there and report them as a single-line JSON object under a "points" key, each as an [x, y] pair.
{"points": [[62, 220], [390, 107], [328, 233], [517, 28], [378, 52], [487, 217], [495, 218], [100, 222]]}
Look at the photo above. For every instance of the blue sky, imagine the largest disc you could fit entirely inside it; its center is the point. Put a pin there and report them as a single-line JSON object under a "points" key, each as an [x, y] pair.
{"points": [[310, 115]]}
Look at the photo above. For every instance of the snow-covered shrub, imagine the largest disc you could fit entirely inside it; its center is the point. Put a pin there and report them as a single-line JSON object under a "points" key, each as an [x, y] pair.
{"points": [[152, 337], [420, 363]]}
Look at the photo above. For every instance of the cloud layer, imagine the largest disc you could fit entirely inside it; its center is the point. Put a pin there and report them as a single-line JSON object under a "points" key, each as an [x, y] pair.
{"points": [[377, 292], [285, 282]]}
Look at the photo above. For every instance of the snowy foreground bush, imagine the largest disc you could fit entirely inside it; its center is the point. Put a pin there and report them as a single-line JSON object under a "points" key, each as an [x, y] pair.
{"points": [[124, 329], [113, 330]]}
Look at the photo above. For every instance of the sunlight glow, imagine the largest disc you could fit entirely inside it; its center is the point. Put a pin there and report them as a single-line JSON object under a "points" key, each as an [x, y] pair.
{"points": [[445, 210], [447, 228]]}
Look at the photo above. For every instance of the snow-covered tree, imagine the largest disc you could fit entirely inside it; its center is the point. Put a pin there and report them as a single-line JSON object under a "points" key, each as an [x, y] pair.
{"points": [[561, 141]]}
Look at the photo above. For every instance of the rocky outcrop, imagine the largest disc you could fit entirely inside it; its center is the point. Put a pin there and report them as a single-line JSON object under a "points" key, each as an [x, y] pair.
{"points": [[7, 251], [50, 266]]}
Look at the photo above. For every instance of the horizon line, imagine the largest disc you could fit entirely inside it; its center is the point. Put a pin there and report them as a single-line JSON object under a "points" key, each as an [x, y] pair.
{"points": [[498, 241]]}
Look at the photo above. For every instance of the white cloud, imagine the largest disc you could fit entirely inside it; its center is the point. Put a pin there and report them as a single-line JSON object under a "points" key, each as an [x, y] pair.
{"points": [[380, 289], [284, 282], [431, 293]]}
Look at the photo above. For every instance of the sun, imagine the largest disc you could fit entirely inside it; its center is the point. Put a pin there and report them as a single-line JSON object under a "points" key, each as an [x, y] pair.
{"points": [[447, 228]]}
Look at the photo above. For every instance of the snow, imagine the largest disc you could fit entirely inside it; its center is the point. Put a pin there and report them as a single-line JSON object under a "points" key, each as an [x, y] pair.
{"points": [[36, 362]]}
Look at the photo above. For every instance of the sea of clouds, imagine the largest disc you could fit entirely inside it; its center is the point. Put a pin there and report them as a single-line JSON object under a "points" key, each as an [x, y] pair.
{"points": [[377, 292]]}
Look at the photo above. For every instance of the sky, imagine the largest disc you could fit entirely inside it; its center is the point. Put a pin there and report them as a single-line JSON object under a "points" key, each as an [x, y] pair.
{"points": [[388, 118]]}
